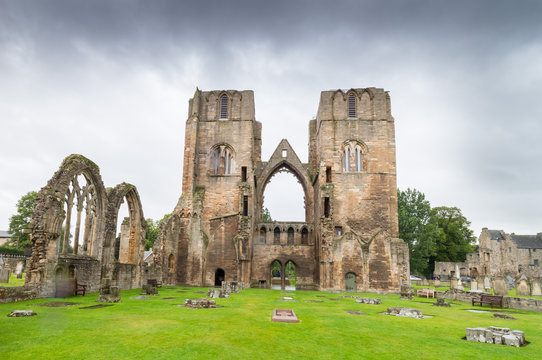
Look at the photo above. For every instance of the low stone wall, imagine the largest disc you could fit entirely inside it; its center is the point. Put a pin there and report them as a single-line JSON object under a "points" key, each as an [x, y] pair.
{"points": [[508, 301], [17, 293]]}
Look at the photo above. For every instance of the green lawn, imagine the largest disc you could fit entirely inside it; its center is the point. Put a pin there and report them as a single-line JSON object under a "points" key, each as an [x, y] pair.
{"points": [[241, 329]]}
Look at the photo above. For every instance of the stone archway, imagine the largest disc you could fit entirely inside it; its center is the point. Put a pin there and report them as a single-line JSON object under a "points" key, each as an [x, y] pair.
{"points": [[219, 276], [284, 158]]}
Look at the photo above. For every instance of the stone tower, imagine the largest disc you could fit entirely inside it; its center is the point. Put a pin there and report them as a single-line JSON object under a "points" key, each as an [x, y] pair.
{"points": [[349, 237]]}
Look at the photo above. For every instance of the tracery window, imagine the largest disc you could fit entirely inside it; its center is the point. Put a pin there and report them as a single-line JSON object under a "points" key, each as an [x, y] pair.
{"points": [[352, 113], [222, 160], [223, 113], [352, 157]]}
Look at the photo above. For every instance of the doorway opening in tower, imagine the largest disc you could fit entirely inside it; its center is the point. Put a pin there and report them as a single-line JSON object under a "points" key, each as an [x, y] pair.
{"points": [[284, 198]]}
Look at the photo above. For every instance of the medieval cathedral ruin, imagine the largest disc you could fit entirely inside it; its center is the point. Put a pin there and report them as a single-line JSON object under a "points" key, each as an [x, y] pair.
{"points": [[348, 241]]}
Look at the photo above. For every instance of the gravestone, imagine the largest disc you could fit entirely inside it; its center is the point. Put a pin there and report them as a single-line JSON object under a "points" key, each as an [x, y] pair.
{"points": [[199, 303], [535, 288], [454, 283], [500, 286], [284, 315], [4, 276], [437, 282], [487, 283], [473, 284], [148, 289], [523, 288], [19, 270]]}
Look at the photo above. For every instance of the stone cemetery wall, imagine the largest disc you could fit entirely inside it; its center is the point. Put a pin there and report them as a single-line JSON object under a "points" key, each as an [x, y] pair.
{"points": [[17, 293]]}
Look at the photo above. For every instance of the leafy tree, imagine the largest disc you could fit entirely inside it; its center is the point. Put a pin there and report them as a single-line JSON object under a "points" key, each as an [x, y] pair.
{"points": [[266, 215], [455, 237], [416, 229], [20, 221], [152, 231]]}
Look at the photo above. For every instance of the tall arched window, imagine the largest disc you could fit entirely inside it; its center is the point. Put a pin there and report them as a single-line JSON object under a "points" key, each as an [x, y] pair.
{"points": [[352, 157], [262, 235], [304, 236], [352, 113], [290, 236], [223, 114], [276, 236], [222, 160]]}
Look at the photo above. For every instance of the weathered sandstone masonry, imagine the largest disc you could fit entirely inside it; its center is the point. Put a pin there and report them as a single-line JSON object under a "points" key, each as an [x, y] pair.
{"points": [[349, 239], [59, 258]]}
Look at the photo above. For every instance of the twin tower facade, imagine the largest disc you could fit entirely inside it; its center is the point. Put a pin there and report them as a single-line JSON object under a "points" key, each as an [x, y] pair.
{"points": [[349, 240]]}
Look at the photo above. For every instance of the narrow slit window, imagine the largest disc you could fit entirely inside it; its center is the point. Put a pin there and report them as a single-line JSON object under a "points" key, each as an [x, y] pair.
{"points": [[326, 207], [357, 161], [245, 205], [328, 174], [352, 114], [223, 107], [244, 174]]}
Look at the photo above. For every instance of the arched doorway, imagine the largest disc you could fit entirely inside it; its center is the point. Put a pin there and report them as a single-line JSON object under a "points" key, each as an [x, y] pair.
{"points": [[350, 281], [276, 275], [63, 285], [219, 277], [289, 276]]}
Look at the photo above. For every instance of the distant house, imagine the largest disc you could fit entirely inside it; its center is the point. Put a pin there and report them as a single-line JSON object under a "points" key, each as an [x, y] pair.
{"points": [[502, 254], [5, 237]]}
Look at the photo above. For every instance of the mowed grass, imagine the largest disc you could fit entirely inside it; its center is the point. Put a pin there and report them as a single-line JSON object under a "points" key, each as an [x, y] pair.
{"points": [[242, 329], [13, 281]]}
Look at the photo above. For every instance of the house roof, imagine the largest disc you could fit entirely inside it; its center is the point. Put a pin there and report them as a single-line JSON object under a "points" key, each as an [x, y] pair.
{"points": [[528, 241], [495, 234], [5, 234]]}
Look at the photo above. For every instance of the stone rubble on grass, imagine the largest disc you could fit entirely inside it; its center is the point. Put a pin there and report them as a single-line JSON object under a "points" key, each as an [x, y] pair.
{"points": [[496, 335], [405, 312], [441, 302], [503, 316], [18, 313], [217, 293], [199, 303], [372, 301]]}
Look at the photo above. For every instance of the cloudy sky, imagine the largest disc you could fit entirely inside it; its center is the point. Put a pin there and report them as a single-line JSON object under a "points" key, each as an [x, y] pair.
{"points": [[111, 80]]}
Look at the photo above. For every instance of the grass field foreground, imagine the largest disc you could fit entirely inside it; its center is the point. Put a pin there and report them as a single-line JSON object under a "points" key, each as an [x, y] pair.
{"points": [[242, 329]]}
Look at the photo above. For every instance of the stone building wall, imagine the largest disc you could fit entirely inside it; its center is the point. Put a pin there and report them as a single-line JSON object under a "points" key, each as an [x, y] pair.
{"points": [[217, 223]]}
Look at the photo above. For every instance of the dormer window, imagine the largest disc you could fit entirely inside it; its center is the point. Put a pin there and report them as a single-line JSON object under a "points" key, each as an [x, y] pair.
{"points": [[223, 114], [352, 113]]}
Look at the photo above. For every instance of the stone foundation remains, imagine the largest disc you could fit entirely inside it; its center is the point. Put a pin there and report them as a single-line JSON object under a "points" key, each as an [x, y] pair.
{"points": [[405, 312], [199, 303], [218, 293], [496, 335], [368, 301]]}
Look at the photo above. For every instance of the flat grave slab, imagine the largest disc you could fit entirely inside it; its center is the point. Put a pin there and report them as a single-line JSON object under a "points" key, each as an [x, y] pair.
{"points": [[284, 315], [59, 304], [19, 313], [168, 298], [95, 306], [141, 297], [355, 312], [313, 301]]}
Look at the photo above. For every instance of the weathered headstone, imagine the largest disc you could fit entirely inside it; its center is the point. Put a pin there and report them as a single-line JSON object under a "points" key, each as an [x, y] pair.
{"points": [[441, 302], [19, 270], [148, 289], [474, 284], [454, 283], [437, 282], [535, 288], [500, 286], [487, 283], [523, 288], [4, 275]]}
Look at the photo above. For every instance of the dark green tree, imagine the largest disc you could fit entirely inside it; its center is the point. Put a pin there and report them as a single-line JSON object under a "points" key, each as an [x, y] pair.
{"points": [[455, 238], [266, 215], [20, 221], [416, 229], [152, 231]]}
